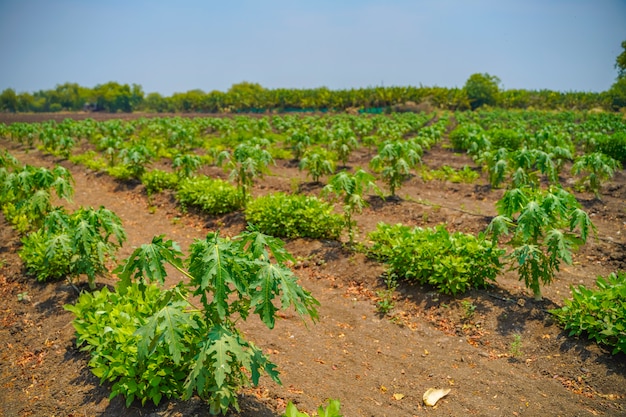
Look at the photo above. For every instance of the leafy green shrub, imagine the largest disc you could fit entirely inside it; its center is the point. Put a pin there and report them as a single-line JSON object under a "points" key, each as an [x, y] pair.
{"points": [[120, 172], [291, 216], [505, 138], [613, 146], [213, 196], [106, 325], [451, 262], [156, 181], [69, 245], [599, 314], [464, 135], [91, 160], [150, 342]]}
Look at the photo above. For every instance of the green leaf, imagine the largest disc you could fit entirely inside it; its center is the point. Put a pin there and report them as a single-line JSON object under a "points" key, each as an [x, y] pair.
{"points": [[167, 326], [148, 261]]}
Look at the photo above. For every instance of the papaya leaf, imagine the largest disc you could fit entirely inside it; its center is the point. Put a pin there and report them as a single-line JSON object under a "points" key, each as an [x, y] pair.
{"points": [[169, 325]]}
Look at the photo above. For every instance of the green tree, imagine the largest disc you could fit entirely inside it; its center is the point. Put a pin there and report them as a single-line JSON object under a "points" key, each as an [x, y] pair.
{"points": [[8, 101], [620, 62], [482, 89]]}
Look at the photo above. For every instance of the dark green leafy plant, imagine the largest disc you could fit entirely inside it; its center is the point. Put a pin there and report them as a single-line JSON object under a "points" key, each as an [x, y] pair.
{"points": [[317, 162], [350, 188], [596, 168], [451, 262], [213, 196], [292, 216], [543, 223], [70, 245], [598, 314], [177, 349], [248, 161], [156, 181], [394, 161], [186, 164]]}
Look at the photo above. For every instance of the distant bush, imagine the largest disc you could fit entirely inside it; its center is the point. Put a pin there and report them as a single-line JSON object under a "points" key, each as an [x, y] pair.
{"points": [[614, 146], [156, 181], [451, 262], [213, 196], [290, 216], [505, 138]]}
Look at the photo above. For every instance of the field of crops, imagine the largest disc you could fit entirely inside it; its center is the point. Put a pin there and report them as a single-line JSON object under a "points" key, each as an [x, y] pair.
{"points": [[359, 258]]}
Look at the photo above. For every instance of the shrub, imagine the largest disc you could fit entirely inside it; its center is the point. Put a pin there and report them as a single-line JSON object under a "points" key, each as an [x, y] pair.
{"points": [[292, 216], [213, 196], [599, 314], [156, 181], [451, 262], [613, 146]]}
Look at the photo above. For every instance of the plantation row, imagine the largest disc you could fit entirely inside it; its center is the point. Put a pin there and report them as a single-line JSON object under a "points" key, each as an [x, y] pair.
{"points": [[182, 350]]}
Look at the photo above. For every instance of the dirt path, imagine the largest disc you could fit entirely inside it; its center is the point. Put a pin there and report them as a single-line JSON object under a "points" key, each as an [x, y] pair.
{"points": [[376, 366]]}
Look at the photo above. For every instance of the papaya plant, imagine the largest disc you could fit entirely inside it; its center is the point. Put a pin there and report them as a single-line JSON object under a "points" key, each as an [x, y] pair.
{"points": [[247, 162], [179, 348], [317, 162], [547, 225], [394, 160], [350, 188], [596, 168]]}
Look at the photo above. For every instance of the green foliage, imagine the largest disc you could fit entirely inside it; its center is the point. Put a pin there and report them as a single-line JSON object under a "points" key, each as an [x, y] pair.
{"points": [[451, 262], [213, 196], [598, 314], [91, 160], [156, 181], [350, 188], [25, 193], [394, 160], [597, 168], [620, 62], [543, 223], [447, 173], [107, 325], [151, 342], [614, 145], [70, 245], [482, 89], [317, 162], [343, 142], [248, 161], [332, 410], [186, 164], [135, 159], [505, 138], [292, 216]]}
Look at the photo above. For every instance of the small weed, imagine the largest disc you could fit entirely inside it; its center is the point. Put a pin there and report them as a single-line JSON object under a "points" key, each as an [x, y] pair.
{"points": [[516, 345], [469, 308], [23, 296], [175, 220], [385, 301]]}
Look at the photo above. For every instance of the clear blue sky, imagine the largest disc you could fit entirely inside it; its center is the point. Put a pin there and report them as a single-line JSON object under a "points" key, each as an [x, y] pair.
{"points": [[176, 46]]}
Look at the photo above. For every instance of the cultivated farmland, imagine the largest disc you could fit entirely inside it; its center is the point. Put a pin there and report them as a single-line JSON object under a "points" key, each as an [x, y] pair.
{"points": [[493, 205]]}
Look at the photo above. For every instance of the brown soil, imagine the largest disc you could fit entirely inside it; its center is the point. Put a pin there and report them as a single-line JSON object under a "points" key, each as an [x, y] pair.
{"points": [[353, 354]]}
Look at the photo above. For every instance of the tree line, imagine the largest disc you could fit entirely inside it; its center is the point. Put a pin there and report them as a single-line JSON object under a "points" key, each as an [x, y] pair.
{"points": [[479, 90]]}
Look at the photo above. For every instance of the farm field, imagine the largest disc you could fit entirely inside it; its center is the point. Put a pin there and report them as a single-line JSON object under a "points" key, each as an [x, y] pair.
{"points": [[376, 347]]}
